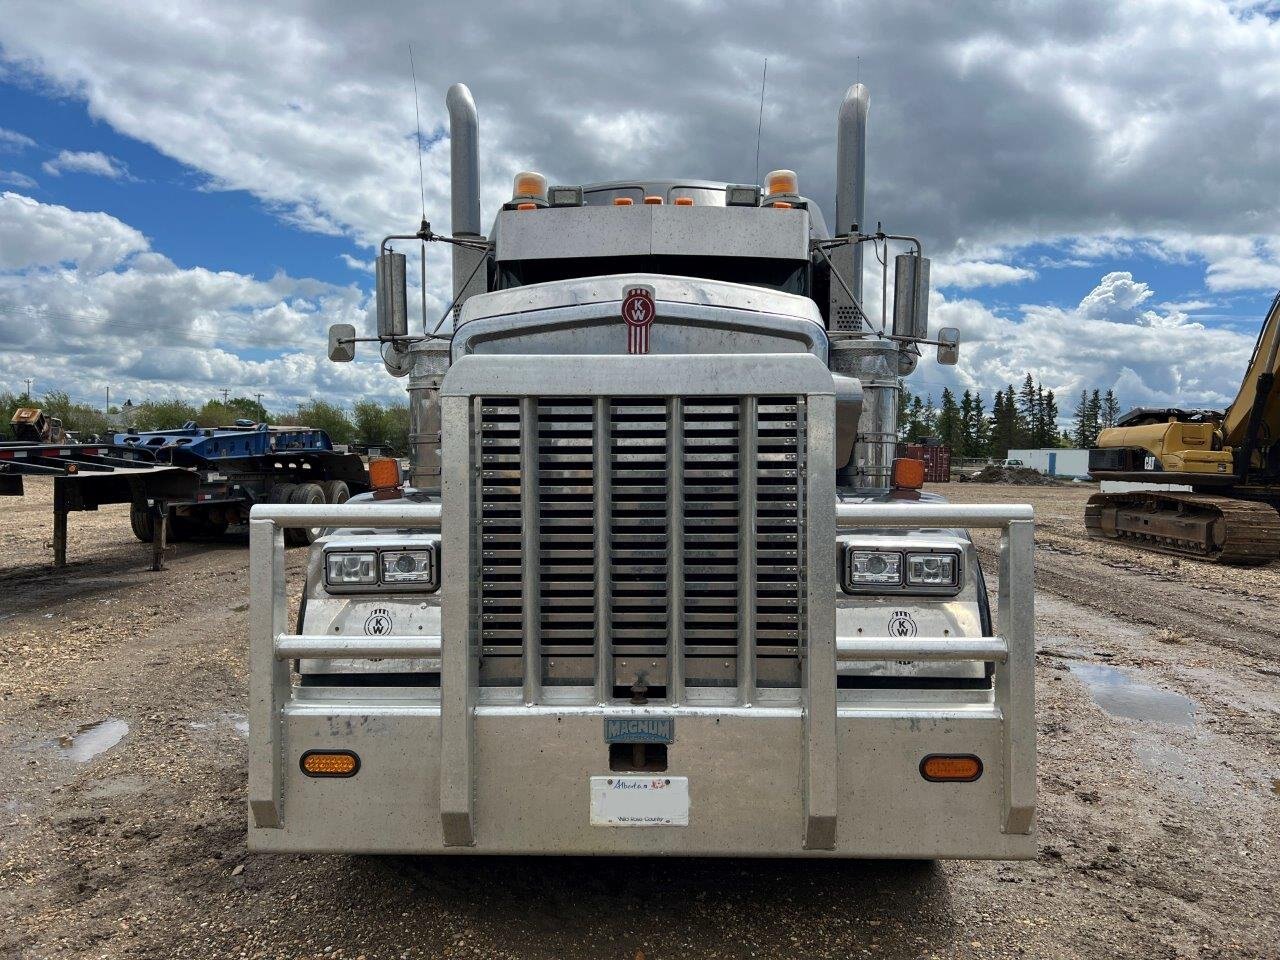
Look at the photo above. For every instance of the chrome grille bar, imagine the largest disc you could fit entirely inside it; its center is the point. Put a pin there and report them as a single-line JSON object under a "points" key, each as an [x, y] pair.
{"points": [[747, 586], [675, 552], [529, 551], [604, 548]]}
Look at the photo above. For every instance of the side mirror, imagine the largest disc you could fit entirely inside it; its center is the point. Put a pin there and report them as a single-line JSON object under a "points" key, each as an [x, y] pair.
{"points": [[911, 296], [393, 304], [948, 346], [342, 343]]}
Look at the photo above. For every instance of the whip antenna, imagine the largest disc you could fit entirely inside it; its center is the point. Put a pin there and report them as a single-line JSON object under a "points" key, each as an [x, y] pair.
{"points": [[760, 125], [417, 120]]}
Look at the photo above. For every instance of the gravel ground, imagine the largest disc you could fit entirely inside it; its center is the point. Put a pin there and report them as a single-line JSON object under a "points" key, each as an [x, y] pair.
{"points": [[1159, 816]]}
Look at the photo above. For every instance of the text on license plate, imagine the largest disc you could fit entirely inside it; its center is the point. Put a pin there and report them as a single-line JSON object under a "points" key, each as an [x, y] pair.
{"points": [[640, 801]]}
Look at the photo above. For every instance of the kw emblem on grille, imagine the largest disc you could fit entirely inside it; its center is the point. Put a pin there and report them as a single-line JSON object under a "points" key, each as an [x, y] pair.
{"points": [[638, 310]]}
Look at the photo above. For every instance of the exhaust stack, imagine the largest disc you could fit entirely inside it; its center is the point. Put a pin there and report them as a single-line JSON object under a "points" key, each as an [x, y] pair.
{"points": [[464, 176], [851, 173]]}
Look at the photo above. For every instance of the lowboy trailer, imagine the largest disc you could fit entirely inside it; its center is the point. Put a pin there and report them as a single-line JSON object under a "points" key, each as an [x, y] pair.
{"points": [[656, 584], [186, 483]]}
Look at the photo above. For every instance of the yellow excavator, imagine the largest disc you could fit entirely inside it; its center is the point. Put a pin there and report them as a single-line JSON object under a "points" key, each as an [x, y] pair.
{"points": [[1229, 459]]}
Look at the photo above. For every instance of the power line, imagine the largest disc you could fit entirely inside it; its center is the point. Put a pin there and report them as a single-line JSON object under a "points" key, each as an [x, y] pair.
{"points": [[764, 78]]}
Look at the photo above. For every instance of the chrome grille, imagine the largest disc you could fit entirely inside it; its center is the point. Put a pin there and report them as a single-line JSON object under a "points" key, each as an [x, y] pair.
{"points": [[689, 508]]}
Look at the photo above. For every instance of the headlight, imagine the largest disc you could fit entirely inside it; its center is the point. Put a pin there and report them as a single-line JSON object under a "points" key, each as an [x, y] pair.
{"points": [[407, 566], [390, 567], [932, 569], [874, 568], [350, 569], [873, 571]]}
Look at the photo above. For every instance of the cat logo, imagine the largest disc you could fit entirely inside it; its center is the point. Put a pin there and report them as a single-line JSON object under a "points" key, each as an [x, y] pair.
{"points": [[901, 624], [378, 623]]}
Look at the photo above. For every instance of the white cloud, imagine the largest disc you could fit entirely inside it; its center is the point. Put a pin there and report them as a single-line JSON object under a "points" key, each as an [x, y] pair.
{"points": [[1110, 340], [34, 234], [87, 303], [11, 141], [967, 274], [85, 161], [15, 178]]}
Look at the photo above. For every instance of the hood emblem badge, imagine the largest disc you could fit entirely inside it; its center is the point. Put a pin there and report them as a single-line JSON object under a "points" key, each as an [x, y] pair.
{"points": [[638, 310]]}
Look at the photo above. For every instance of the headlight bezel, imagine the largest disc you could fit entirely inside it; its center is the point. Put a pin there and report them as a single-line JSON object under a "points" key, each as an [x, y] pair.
{"points": [[902, 586], [381, 582]]}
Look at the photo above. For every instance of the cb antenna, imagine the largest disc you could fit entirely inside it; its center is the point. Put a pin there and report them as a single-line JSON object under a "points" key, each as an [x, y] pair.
{"points": [[764, 78], [422, 187], [417, 120]]}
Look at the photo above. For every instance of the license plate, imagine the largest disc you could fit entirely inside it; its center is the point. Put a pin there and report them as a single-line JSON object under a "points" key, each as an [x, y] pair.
{"points": [[639, 801]]}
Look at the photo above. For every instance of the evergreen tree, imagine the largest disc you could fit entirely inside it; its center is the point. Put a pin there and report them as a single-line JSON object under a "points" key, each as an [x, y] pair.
{"points": [[1028, 410], [950, 422], [968, 427], [1110, 409], [1049, 420], [1004, 423], [1080, 436], [981, 429]]}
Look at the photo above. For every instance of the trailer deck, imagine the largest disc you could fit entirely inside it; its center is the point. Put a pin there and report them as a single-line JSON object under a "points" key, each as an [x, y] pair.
{"points": [[181, 481]]}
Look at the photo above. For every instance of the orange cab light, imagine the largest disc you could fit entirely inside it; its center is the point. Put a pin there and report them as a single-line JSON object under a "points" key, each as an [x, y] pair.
{"points": [[684, 201], [384, 473], [622, 201], [950, 768], [908, 474], [529, 184], [653, 200], [329, 763], [526, 206], [781, 205], [781, 182]]}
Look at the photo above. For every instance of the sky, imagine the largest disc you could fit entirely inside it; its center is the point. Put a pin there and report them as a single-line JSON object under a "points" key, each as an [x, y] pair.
{"points": [[191, 193]]}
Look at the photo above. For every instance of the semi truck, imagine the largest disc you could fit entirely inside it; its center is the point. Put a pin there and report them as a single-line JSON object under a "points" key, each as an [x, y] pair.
{"points": [[655, 583]]}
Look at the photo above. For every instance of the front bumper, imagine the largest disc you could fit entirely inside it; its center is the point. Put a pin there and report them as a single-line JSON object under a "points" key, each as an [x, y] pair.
{"points": [[448, 770]]}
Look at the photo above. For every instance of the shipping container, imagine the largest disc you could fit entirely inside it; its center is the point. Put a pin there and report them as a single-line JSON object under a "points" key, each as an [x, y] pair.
{"points": [[936, 457]]}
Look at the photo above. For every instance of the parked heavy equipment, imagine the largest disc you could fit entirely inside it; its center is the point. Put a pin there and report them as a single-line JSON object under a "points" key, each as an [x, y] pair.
{"points": [[657, 584], [31, 425], [187, 483], [1227, 462]]}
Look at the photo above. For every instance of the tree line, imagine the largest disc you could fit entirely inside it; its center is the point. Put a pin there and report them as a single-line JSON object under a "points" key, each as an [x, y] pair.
{"points": [[369, 422], [1023, 418]]}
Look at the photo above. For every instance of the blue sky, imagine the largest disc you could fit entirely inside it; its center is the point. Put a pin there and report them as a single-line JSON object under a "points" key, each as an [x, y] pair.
{"points": [[224, 173]]}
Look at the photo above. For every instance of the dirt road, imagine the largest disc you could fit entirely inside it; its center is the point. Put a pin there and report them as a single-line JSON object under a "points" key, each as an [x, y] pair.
{"points": [[122, 701]]}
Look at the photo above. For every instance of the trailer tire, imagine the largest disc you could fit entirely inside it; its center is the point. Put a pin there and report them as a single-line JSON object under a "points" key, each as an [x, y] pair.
{"points": [[141, 523], [336, 491], [310, 494]]}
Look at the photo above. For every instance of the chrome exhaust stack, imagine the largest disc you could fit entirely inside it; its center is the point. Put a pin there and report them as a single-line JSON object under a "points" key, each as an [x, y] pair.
{"points": [[464, 177]]}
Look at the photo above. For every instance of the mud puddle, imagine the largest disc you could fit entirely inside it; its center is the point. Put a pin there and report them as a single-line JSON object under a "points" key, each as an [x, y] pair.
{"points": [[93, 739], [1120, 695]]}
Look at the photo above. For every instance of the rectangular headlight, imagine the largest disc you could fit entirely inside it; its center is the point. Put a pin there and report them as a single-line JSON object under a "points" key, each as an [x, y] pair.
{"points": [[350, 569], [932, 569], [408, 566], [868, 568]]}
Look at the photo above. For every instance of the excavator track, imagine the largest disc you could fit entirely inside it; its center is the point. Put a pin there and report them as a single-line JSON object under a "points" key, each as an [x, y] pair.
{"points": [[1204, 526]]}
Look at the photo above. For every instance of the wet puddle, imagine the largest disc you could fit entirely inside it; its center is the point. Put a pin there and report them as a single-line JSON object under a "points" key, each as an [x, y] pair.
{"points": [[1122, 696], [93, 739]]}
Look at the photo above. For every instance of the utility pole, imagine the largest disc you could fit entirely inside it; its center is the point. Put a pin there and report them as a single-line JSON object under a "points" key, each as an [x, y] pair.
{"points": [[258, 397], [29, 381], [225, 391], [107, 408]]}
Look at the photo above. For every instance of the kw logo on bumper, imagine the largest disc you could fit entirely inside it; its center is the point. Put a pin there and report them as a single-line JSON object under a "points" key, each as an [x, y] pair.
{"points": [[638, 310], [378, 623], [639, 729], [901, 624]]}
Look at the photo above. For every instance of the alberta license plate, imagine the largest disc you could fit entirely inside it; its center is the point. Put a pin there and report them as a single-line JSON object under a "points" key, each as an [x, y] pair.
{"points": [[639, 801]]}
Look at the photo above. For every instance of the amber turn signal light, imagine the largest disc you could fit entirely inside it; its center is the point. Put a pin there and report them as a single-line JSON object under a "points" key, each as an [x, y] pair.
{"points": [[908, 474], [384, 473], [684, 201], [329, 763], [950, 768], [622, 201]]}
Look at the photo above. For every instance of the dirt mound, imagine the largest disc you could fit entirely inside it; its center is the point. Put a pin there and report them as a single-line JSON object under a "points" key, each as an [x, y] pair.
{"points": [[1019, 476]]}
